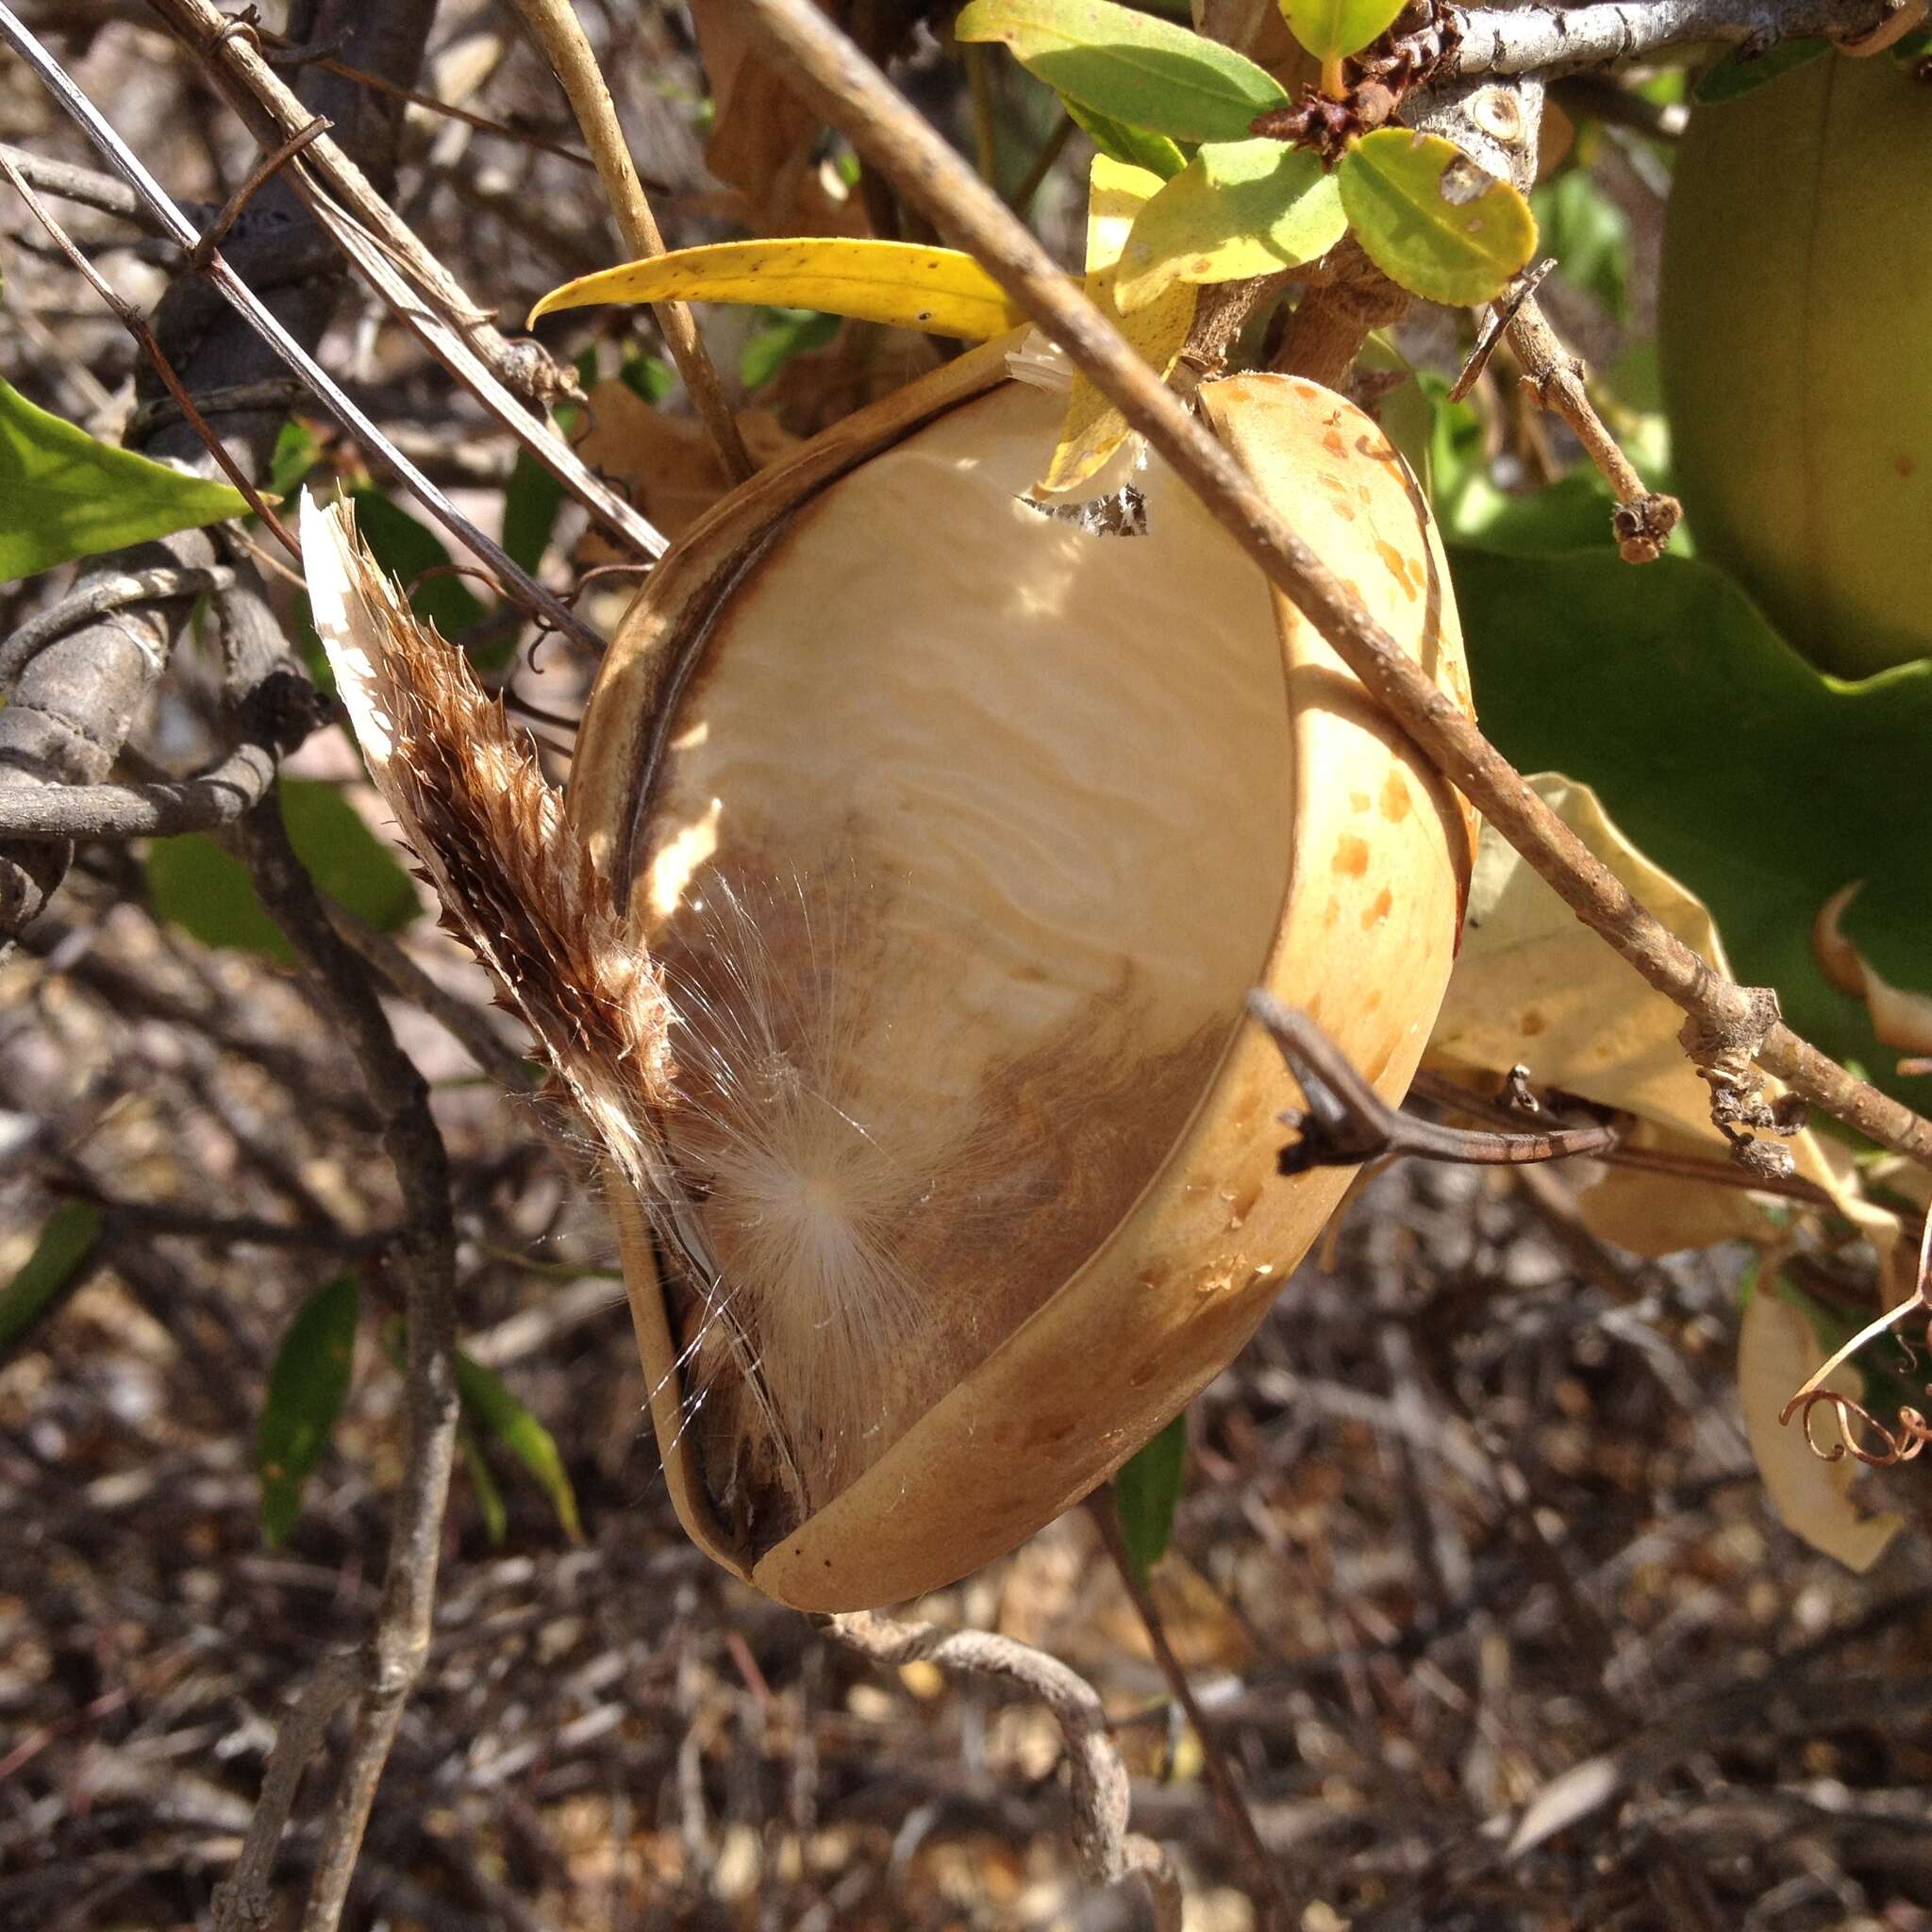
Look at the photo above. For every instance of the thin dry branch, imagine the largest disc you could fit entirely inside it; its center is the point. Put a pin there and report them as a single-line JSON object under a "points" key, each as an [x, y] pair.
{"points": [[425, 1253], [1097, 1780], [556, 28], [830, 71]]}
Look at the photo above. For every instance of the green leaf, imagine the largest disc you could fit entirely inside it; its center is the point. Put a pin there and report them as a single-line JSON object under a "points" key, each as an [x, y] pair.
{"points": [[650, 378], [489, 1497], [59, 1264], [1133, 147], [64, 495], [193, 882], [1589, 234], [1147, 1489], [782, 334], [487, 1400], [1431, 218], [1238, 209], [1144, 72], [406, 547], [306, 1391], [1736, 75], [1331, 28], [297, 451], [1762, 784]]}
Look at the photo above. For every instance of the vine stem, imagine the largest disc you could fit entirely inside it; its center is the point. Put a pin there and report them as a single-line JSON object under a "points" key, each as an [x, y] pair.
{"points": [[1735, 1022]]}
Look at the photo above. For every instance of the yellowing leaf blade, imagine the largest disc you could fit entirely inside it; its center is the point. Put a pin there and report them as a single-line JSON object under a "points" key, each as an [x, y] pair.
{"points": [[1238, 209], [1432, 220], [940, 290]]}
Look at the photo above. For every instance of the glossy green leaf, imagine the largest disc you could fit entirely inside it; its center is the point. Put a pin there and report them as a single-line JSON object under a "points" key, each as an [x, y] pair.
{"points": [[307, 1388], [1763, 785], [1238, 209], [1331, 28], [1147, 1490], [406, 547], [59, 1264], [1432, 220], [63, 493], [1128, 66], [1134, 147], [201, 888], [1736, 75], [489, 1403]]}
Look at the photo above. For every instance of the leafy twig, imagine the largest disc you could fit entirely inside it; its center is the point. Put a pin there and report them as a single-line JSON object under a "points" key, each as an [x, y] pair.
{"points": [[824, 64]]}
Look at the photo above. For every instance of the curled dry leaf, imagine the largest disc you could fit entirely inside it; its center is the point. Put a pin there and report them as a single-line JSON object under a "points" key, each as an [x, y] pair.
{"points": [[1532, 987], [1778, 1350]]}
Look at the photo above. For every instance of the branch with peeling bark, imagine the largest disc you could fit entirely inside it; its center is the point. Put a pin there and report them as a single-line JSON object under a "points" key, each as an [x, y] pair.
{"points": [[831, 71], [1559, 40]]}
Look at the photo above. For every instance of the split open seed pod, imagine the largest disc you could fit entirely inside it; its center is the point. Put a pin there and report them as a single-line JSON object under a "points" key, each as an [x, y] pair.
{"points": [[961, 830]]}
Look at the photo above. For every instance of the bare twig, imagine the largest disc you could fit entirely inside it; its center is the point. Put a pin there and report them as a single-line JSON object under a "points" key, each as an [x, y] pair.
{"points": [[1097, 1780], [1643, 518], [426, 1253], [1347, 1122], [1271, 1904], [1555, 39], [857, 98], [555, 26], [244, 1900], [86, 186], [95, 599]]}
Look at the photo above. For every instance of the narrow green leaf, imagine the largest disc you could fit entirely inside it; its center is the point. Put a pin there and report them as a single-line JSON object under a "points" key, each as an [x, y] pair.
{"points": [[406, 547], [65, 494], [1331, 28], [1238, 209], [1431, 218], [782, 334], [297, 451], [650, 378], [192, 881], [1132, 68], [1133, 147], [1735, 76], [489, 1497], [59, 1264], [487, 1400], [1147, 1490], [306, 1391]]}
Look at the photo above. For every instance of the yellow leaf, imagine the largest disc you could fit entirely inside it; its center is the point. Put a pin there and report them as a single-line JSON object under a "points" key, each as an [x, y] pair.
{"points": [[1093, 428], [1776, 1351], [1116, 193], [1534, 986], [940, 290]]}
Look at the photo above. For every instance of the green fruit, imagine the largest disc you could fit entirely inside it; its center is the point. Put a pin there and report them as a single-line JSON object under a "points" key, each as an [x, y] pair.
{"points": [[1796, 346]]}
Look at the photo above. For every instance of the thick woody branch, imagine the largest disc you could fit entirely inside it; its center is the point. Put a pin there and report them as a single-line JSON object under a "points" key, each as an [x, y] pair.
{"points": [[1558, 39], [832, 73]]}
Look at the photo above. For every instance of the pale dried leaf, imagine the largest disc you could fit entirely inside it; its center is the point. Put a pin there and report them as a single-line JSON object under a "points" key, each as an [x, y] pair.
{"points": [[1777, 1349]]}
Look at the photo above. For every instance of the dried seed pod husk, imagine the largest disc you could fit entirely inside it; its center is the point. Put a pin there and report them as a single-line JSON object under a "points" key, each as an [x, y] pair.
{"points": [[961, 830]]}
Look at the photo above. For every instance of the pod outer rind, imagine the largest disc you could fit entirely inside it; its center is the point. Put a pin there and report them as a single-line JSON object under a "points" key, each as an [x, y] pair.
{"points": [[1797, 289], [1381, 861]]}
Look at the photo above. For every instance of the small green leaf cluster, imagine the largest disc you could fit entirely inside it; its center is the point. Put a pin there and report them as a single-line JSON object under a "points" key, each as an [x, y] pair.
{"points": [[309, 1382], [1148, 91]]}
